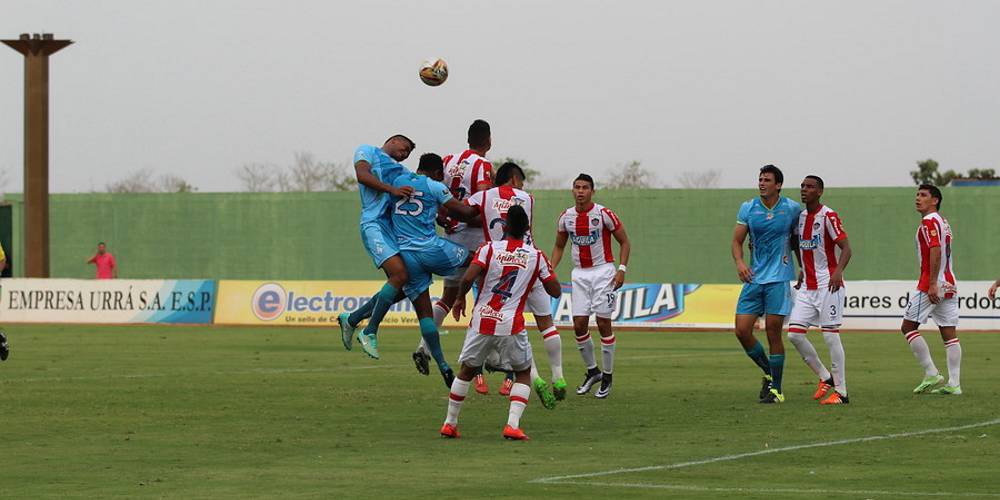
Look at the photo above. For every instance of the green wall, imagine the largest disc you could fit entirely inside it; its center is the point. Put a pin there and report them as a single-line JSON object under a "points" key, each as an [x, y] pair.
{"points": [[678, 235]]}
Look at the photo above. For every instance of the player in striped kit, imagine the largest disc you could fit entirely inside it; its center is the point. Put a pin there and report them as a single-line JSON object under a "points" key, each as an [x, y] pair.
{"points": [[936, 295], [824, 252], [466, 173], [510, 269], [595, 279], [493, 206]]}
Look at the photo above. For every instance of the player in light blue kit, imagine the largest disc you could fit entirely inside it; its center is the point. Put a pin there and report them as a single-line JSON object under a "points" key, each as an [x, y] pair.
{"points": [[770, 220], [423, 251], [375, 169]]}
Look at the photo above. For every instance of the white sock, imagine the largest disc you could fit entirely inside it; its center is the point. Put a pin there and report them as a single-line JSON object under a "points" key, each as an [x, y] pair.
{"points": [[586, 347], [441, 311], [954, 352], [832, 338], [608, 353], [534, 371], [797, 336], [518, 402], [553, 346], [923, 353], [459, 388]]}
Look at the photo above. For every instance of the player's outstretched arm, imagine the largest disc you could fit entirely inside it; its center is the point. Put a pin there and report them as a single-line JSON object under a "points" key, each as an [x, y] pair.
{"points": [[557, 251], [470, 276], [363, 172], [461, 211], [739, 236], [626, 250], [837, 280]]}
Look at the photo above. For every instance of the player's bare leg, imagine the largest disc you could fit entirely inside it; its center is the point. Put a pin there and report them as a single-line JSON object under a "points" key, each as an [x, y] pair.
{"points": [[953, 351], [607, 356], [584, 343], [754, 349], [922, 352]]}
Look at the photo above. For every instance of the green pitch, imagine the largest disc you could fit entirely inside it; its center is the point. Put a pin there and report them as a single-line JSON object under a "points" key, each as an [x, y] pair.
{"points": [[188, 412]]}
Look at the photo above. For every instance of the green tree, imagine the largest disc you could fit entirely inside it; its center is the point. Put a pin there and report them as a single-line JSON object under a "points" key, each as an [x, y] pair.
{"points": [[631, 175], [927, 173], [530, 174], [984, 174]]}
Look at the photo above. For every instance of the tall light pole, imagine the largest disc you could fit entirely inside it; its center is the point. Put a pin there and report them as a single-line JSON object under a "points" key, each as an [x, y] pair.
{"points": [[36, 50]]}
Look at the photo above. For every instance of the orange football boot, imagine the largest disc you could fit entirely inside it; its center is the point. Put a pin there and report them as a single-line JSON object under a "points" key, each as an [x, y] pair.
{"points": [[450, 431], [480, 384], [505, 388], [821, 389], [514, 434], [835, 399]]}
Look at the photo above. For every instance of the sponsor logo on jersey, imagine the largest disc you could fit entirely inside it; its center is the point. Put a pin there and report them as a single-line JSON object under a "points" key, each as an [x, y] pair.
{"points": [[503, 205], [584, 239], [517, 258], [810, 244], [595, 221], [485, 311]]}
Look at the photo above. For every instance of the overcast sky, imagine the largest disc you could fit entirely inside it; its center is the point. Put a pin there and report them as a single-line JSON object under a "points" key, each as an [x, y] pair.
{"points": [[853, 91]]}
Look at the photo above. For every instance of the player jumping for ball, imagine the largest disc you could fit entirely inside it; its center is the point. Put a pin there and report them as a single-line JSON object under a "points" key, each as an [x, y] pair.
{"points": [[595, 279]]}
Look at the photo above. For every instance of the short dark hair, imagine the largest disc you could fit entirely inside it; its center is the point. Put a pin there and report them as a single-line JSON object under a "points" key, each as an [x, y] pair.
{"points": [[817, 179], [413, 145], [506, 172], [775, 171], [517, 222], [479, 133], [99, 243], [934, 191], [430, 162], [585, 177]]}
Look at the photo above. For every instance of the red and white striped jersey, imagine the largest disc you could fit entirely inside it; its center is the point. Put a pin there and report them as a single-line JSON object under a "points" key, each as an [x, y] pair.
{"points": [[493, 206], [590, 233], [463, 174], [818, 234], [510, 270], [934, 231]]}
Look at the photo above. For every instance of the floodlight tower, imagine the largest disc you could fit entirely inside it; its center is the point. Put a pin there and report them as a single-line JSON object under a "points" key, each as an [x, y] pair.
{"points": [[36, 50]]}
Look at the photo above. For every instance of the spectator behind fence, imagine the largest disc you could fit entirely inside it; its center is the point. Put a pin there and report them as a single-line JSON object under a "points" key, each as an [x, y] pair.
{"points": [[105, 262]]}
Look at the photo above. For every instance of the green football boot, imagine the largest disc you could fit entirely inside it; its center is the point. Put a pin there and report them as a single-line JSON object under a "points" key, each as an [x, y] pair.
{"points": [[928, 383], [559, 389], [948, 390], [346, 330], [542, 388]]}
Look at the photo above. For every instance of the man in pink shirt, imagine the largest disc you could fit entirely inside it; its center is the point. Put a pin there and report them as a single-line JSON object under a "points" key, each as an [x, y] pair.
{"points": [[106, 267]]}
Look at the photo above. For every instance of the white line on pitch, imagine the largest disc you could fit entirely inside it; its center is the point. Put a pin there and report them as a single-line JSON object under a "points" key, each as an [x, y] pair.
{"points": [[682, 487], [254, 371], [726, 458]]}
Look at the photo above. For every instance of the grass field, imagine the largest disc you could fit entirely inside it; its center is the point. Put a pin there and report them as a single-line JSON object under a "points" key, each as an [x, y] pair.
{"points": [[187, 412]]}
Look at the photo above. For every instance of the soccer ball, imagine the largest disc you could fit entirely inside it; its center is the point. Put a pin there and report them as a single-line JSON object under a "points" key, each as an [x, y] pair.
{"points": [[434, 72]]}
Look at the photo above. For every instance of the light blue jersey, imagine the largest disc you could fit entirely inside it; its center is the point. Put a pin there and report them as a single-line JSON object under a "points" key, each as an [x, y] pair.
{"points": [[770, 231], [375, 204], [413, 217], [423, 251]]}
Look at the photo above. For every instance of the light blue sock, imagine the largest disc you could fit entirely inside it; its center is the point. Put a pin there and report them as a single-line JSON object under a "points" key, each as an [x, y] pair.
{"points": [[756, 353], [777, 362], [429, 331], [383, 301]]}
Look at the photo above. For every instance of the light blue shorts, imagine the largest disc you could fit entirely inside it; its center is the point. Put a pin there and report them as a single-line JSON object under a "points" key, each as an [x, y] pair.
{"points": [[768, 298], [379, 241], [439, 256]]}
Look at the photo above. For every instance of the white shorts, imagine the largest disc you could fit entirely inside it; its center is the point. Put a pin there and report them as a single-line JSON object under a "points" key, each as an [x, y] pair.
{"points": [[511, 351], [539, 303], [470, 238], [818, 308], [944, 313], [594, 290]]}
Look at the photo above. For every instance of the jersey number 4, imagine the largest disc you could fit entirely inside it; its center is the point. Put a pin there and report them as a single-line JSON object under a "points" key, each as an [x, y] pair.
{"points": [[412, 199], [506, 284]]}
